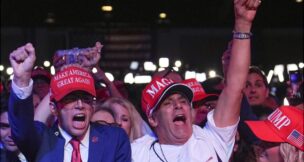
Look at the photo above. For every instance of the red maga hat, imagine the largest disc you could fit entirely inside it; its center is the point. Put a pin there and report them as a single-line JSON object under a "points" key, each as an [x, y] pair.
{"points": [[157, 89], [71, 79], [198, 90], [41, 72], [285, 124]]}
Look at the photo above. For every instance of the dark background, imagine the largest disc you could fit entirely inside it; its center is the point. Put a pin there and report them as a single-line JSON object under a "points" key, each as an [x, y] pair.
{"points": [[196, 31]]}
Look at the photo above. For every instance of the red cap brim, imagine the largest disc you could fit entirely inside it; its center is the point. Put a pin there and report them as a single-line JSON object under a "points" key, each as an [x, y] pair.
{"points": [[263, 131]]}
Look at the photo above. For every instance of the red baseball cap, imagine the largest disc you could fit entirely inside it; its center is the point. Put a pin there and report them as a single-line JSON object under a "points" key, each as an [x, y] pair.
{"points": [[285, 124], [41, 72], [157, 89], [198, 90], [71, 79]]}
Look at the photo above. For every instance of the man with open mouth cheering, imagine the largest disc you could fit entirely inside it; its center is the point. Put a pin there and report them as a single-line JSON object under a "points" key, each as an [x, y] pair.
{"points": [[72, 138]]}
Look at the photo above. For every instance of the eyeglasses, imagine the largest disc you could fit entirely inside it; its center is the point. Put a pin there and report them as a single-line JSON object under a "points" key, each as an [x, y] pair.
{"points": [[208, 106], [84, 97]]}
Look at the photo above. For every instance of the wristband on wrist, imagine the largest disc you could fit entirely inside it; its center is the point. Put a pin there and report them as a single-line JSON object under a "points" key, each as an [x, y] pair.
{"points": [[241, 35]]}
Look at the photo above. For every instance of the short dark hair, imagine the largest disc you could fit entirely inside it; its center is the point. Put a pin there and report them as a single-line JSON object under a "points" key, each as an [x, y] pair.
{"points": [[257, 70]]}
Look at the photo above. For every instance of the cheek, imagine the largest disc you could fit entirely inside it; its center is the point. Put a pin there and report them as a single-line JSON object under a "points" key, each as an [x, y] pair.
{"points": [[262, 92]]}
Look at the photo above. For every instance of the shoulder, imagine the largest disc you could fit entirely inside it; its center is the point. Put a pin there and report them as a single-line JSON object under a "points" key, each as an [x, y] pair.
{"points": [[146, 140], [109, 131]]}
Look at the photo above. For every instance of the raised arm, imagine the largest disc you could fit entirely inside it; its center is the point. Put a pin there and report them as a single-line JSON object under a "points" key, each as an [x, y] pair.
{"points": [[228, 107], [101, 76], [21, 109]]}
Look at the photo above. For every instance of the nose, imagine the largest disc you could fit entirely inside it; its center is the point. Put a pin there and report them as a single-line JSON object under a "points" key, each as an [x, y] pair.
{"points": [[119, 123], [252, 89], [177, 105], [79, 104]]}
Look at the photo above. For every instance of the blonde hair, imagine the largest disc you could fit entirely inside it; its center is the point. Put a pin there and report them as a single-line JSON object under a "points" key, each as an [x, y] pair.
{"points": [[290, 153], [139, 127]]}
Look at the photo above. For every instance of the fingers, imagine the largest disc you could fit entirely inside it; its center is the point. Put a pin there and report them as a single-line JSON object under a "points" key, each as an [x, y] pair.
{"points": [[29, 48], [252, 4], [99, 46], [19, 55]]}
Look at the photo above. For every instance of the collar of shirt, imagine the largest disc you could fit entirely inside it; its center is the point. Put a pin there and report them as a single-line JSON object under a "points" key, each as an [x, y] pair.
{"points": [[21, 157], [84, 142]]}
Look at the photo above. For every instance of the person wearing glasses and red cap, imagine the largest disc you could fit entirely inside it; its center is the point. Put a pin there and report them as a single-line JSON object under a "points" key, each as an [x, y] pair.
{"points": [[202, 102], [73, 137]]}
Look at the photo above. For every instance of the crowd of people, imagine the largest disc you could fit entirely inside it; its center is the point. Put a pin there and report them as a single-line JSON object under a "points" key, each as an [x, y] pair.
{"points": [[68, 117]]}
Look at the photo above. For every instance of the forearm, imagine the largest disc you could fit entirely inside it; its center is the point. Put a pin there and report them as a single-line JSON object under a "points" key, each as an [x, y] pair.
{"points": [[230, 98], [43, 111], [23, 129], [100, 76]]}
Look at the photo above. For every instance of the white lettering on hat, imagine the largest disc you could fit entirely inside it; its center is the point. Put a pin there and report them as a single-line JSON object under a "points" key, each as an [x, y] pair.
{"points": [[61, 75], [64, 82], [278, 120], [82, 80], [154, 88], [78, 72]]}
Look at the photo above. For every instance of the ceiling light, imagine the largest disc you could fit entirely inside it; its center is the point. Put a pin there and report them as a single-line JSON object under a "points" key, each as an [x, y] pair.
{"points": [[134, 65], [278, 69], [106, 8], [269, 76], [53, 70], [299, 1], [129, 78], [50, 19], [301, 65], [9, 71], [162, 15], [142, 79], [46, 63], [212, 73], [1, 67], [200, 77], [190, 74], [292, 67], [149, 66], [94, 70], [163, 62], [109, 76], [178, 63]]}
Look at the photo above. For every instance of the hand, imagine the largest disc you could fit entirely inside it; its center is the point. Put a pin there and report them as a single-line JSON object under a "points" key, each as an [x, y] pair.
{"points": [[22, 61], [91, 57], [101, 76], [226, 58], [245, 11]]}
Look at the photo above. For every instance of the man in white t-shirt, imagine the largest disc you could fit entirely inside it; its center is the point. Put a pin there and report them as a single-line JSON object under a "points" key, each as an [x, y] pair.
{"points": [[167, 105]]}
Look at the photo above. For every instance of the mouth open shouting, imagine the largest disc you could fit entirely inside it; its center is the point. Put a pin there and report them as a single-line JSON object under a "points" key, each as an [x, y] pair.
{"points": [[179, 119]]}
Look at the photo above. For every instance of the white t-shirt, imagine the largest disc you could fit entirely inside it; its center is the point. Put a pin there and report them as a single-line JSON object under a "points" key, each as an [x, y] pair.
{"points": [[199, 148]]}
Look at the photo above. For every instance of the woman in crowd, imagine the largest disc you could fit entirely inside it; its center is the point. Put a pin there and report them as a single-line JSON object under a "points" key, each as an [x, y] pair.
{"points": [[103, 115], [127, 117]]}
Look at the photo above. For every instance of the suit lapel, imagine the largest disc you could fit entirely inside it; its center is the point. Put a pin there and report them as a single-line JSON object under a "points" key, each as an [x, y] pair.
{"points": [[59, 142], [96, 149]]}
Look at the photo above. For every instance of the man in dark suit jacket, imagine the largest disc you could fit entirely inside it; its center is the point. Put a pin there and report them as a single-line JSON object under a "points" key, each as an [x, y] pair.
{"points": [[73, 138]]}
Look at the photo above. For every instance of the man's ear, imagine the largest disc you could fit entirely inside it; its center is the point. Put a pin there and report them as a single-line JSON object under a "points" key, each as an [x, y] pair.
{"points": [[53, 108], [152, 120]]}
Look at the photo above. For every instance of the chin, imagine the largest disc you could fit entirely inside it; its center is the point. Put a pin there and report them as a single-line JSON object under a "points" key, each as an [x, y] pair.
{"points": [[78, 133], [12, 148]]}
